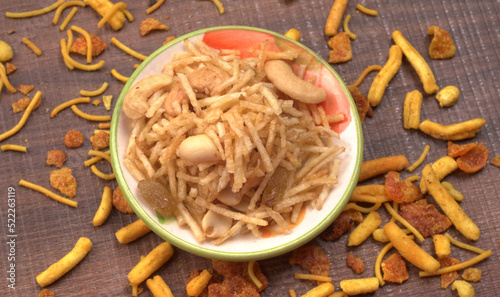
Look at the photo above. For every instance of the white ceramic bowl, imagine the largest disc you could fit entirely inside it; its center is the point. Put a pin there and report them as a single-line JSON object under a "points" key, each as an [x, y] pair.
{"points": [[246, 247]]}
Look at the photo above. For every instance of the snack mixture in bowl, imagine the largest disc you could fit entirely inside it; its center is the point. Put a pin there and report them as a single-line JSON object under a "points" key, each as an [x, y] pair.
{"points": [[245, 139]]}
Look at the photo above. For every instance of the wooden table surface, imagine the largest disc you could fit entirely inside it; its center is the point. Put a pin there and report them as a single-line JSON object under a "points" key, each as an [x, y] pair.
{"points": [[46, 230]]}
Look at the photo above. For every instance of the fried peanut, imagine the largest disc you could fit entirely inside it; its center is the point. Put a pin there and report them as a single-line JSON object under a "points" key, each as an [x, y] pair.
{"points": [[417, 61], [381, 81], [463, 288], [463, 130], [6, 52], [282, 76], [448, 96], [411, 110], [293, 34]]}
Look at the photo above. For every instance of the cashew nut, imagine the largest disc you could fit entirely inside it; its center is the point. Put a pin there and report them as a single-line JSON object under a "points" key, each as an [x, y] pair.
{"points": [[463, 288], [448, 96], [135, 103], [214, 224], [228, 197], [283, 78], [6, 52], [198, 149]]}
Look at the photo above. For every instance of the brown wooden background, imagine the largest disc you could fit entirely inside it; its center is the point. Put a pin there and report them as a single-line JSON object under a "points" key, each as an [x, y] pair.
{"points": [[46, 230]]}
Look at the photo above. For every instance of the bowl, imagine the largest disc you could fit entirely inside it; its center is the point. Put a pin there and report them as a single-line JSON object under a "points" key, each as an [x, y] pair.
{"points": [[246, 247]]}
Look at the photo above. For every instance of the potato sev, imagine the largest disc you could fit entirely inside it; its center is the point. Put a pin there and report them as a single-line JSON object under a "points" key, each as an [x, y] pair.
{"points": [[13, 147], [67, 58], [88, 39], [104, 209], [94, 93], [24, 118], [63, 6], [28, 14], [5, 80], [90, 117], [67, 104], [127, 50], [48, 193], [32, 46], [68, 18], [155, 6]]}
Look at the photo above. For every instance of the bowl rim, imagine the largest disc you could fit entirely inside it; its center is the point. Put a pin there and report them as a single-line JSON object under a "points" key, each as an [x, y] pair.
{"points": [[205, 251]]}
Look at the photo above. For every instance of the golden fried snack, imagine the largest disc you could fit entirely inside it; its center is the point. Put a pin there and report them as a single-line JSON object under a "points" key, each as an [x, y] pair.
{"points": [[335, 17], [365, 10], [63, 6], [453, 192], [32, 46], [68, 262], [196, 286], [417, 61], [448, 96], [381, 81], [411, 110], [293, 34], [48, 193], [94, 92], [464, 289], [154, 7], [68, 18], [151, 24], [463, 130], [88, 40], [409, 249], [341, 48], [28, 14], [119, 76], [442, 167], [382, 165], [459, 266], [90, 117], [365, 229], [359, 286], [449, 206], [364, 74], [442, 245], [24, 118], [127, 50], [442, 45], [496, 161], [102, 7], [104, 208], [120, 6], [158, 287], [347, 31], [132, 232], [13, 147], [149, 264], [322, 290], [420, 159]]}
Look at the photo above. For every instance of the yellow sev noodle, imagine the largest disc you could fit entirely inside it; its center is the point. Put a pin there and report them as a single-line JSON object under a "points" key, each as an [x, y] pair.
{"points": [[102, 175], [420, 159], [128, 15], [251, 273], [365, 10], [316, 277], [32, 46], [5, 80], [119, 76], [27, 14], [464, 245], [154, 6], [63, 6], [403, 221], [219, 5], [109, 14], [128, 50], [90, 117], [345, 25], [67, 104], [68, 46], [24, 118], [364, 74], [95, 92], [68, 18], [456, 267], [48, 193], [378, 262], [87, 38], [97, 158], [64, 52], [13, 147]]}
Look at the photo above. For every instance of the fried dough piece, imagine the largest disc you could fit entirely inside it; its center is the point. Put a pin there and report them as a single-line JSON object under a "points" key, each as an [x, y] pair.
{"points": [[442, 45], [64, 181], [425, 217], [80, 45], [341, 48]]}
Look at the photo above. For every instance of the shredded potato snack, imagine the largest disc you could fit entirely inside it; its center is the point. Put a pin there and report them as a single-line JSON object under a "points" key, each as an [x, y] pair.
{"points": [[228, 138]]}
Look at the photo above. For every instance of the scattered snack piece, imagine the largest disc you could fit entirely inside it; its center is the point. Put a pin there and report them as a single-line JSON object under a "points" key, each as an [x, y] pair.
{"points": [[48, 193], [79, 46], [359, 286], [198, 284], [364, 229], [155, 6], [381, 81], [411, 110], [400, 191], [107, 101], [442, 246], [150, 24], [20, 104], [97, 92], [324, 289], [442, 167], [425, 217], [382, 165], [127, 50], [456, 150], [442, 45], [450, 277], [104, 209], [237, 278], [90, 117], [102, 7], [463, 288], [32, 46], [119, 76], [370, 194], [394, 269], [362, 103], [132, 232], [219, 5], [25, 89], [496, 161], [346, 28], [68, 18], [67, 104], [120, 202], [420, 160], [13, 147], [10, 68], [96, 102], [450, 207], [293, 34], [448, 96], [459, 131], [34, 102], [56, 158], [312, 258], [64, 181], [453, 192], [356, 264], [68, 262], [365, 10], [364, 74], [46, 293], [474, 160], [73, 139], [6, 52], [71, 63], [5, 80], [341, 48], [170, 38], [335, 17], [100, 140], [472, 275], [158, 287], [342, 224], [417, 61]]}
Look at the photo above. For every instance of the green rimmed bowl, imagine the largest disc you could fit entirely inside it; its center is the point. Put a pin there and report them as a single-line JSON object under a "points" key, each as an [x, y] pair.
{"points": [[247, 247]]}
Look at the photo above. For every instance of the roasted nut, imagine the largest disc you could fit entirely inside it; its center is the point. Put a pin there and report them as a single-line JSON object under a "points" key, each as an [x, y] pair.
{"points": [[228, 197], [293, 34], [463, 288], [282, 76], [448, 96], [214, 224], [6, 52], [198, 149]]}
